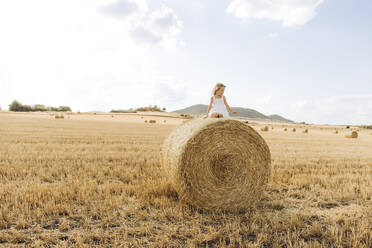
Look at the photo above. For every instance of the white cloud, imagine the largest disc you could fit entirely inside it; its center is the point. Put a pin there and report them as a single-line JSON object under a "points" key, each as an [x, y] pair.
{"points": [[289, 12], [70, 53], [150, 27], [120, 9], [341, 109]]}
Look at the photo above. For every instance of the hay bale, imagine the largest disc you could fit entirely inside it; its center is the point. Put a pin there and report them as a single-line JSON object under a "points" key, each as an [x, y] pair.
{"points": [[272, 128], [294, 130], [152, 121], [59, 116], [265, 129], [353, 135], [335, 132], [305, 131], [285, 129], [216, 163], [165, 121], [145, 121]]}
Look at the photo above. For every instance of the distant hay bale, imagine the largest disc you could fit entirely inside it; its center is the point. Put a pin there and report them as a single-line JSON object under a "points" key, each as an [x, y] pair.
{"points": [[165, 121], [335, 132], [285, 129], [152, 121], [354, 135], [265, 129], [145, 121], [59, 117], [217, 163], [272, 128], [294, 130], [305, 131]]}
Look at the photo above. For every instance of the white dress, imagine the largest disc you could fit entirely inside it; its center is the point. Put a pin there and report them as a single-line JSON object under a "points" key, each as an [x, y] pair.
{"points": [[218, 106]]}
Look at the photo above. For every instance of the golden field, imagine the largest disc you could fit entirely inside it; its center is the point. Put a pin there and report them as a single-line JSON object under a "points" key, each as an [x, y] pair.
{"points": [[96, 181]]}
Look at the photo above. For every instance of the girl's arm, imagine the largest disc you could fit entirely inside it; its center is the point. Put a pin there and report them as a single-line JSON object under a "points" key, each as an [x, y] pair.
{"points": [[227, 105], [210, 105]]}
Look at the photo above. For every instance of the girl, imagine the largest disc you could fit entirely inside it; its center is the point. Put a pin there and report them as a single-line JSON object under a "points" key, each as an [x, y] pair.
{"points": [[217, 106]]}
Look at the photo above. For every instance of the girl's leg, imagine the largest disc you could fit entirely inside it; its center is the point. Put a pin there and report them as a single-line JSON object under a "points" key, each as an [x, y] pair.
{"points": [[214, 115]]}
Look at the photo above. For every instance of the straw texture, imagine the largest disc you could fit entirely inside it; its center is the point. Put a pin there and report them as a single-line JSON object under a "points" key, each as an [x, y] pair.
{"points": [[265, 129], [217, 164], [354, 135]]}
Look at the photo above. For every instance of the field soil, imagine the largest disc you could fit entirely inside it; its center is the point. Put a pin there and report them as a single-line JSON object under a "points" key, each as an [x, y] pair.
{"points": [[95, 180]]}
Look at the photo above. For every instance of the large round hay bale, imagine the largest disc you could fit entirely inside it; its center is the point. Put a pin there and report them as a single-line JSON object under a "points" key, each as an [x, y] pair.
{"points": [[335, 132], [294, 130], [285, 129], [305, 131], [217, 163], [265, 129], [353, 135], [152, 121]]}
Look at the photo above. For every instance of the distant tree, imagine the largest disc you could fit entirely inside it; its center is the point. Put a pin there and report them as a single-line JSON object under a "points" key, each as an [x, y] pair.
{"points": [[149, 108], [15, 106], [39, 107], [64, 108], [164, 109], [27, 108]]}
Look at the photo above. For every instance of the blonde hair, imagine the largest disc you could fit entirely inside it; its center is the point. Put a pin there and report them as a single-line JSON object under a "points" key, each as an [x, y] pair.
{"points": [[217, 87]]}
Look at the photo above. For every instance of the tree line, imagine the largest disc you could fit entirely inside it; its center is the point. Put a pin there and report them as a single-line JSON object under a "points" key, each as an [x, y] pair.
{"points": [[154, 108], [16, 106]]}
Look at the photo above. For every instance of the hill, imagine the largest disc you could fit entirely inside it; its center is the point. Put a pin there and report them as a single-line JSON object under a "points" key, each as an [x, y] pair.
{"points": [[201, 109]]}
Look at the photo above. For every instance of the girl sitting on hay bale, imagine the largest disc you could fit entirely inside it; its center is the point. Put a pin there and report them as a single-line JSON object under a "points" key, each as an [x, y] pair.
{"points": [[218, 105]]}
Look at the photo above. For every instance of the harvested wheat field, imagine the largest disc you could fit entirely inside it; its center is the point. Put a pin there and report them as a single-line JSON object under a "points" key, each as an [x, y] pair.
{"points": [[86, 182]]}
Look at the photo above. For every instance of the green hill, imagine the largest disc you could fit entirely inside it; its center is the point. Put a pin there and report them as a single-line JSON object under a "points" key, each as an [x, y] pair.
{"points": [[201, 109]]}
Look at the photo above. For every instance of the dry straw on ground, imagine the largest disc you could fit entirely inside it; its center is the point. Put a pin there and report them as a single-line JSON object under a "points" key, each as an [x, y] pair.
{"points": [[354, 135], [217, 164], [265, 129]]}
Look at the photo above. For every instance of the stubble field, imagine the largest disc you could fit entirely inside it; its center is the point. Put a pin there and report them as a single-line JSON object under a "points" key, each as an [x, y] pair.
{"points": [[83, 183]]}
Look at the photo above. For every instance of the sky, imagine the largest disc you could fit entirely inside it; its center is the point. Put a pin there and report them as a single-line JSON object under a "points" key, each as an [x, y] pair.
{"points": [[307, 60]]}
